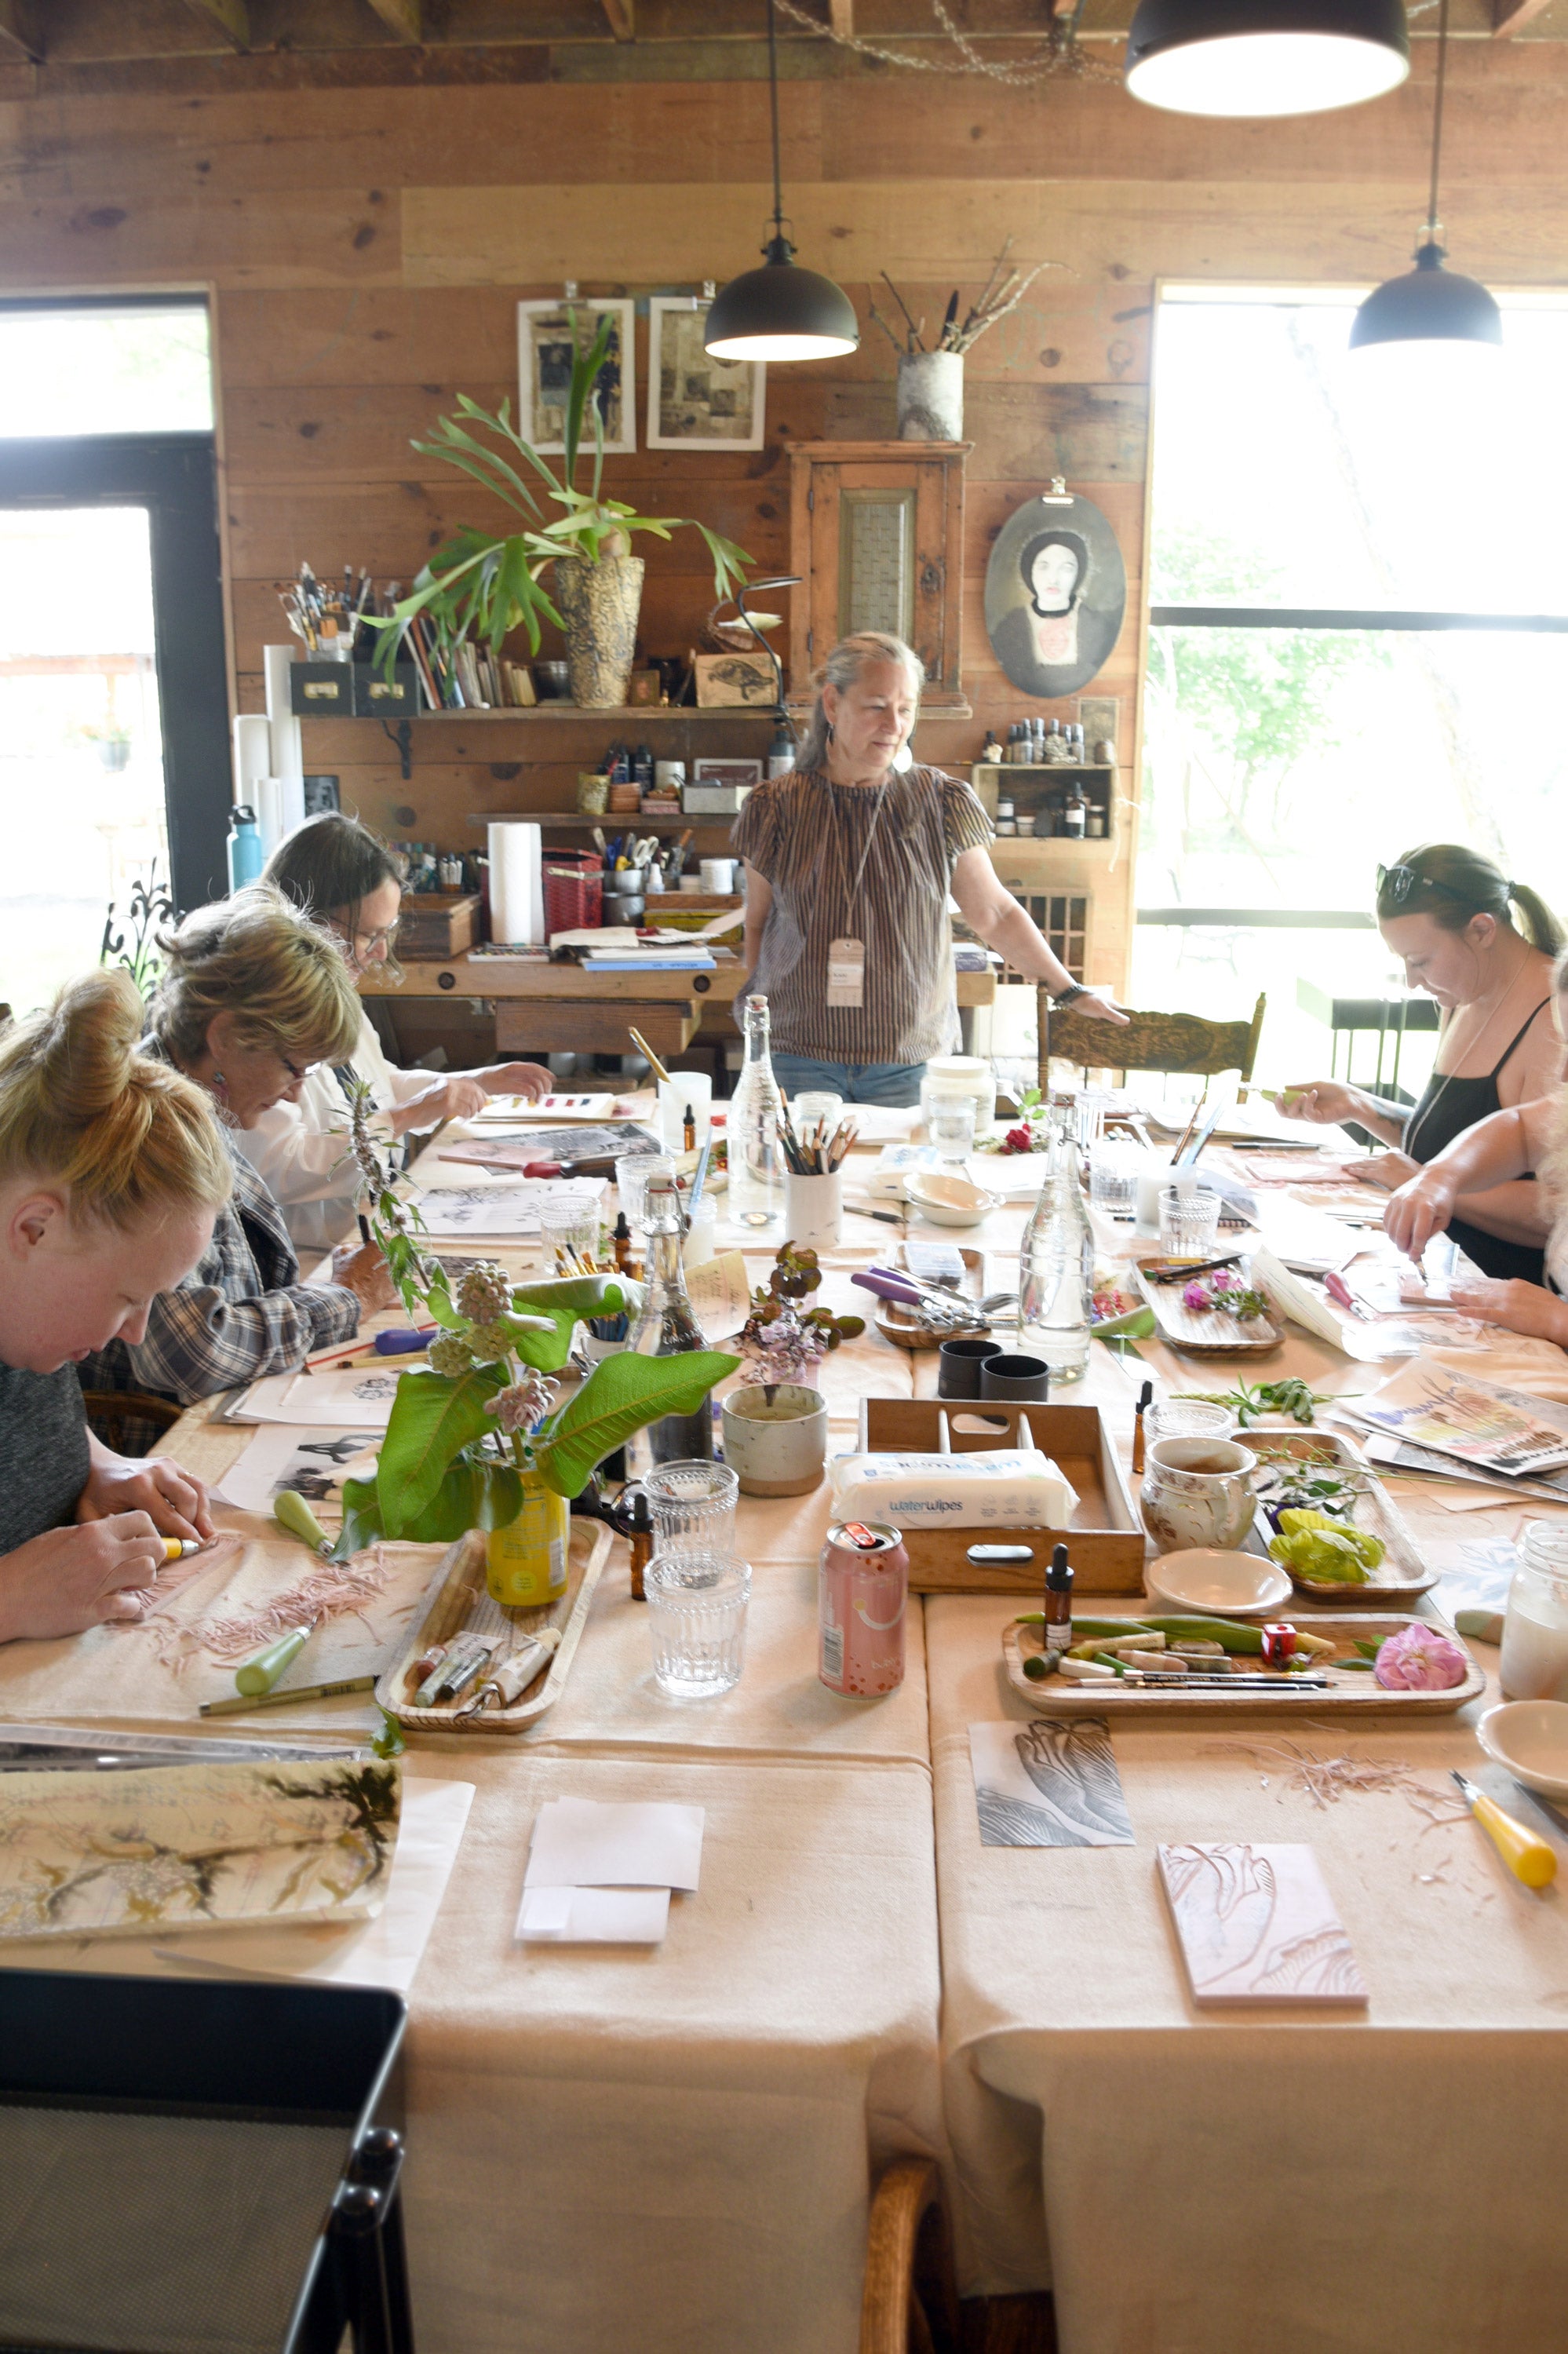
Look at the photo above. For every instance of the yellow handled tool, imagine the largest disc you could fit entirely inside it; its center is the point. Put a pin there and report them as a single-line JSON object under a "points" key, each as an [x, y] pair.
{"points": [[1527, 1855]]}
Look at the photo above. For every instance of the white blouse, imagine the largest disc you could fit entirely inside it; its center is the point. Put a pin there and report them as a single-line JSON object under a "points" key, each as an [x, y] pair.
{"points": [[300, 1150]]}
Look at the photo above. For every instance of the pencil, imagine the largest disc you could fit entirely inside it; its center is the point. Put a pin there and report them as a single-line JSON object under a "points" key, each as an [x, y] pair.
{"points": [[241, 1706]]}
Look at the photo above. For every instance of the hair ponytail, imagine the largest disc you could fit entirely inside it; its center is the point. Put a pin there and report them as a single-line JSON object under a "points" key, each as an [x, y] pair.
{"points": [[1539, 925], [1452, 883], [79, 1108]]}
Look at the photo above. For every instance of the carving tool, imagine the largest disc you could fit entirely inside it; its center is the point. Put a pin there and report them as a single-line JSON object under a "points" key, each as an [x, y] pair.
{"points": [[181, 1548], [1340, 1291], [1528, 1856], [259, 1673]]}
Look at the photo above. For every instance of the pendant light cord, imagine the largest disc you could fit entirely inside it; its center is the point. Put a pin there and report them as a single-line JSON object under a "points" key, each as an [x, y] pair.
{"points": [[773, 101], [1436, 113]]}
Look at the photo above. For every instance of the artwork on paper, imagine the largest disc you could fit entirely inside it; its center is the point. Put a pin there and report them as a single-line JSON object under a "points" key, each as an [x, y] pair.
{"points": [[1258, 1924], [1055, 592], [1050, 1784], [313, 1465], [184, 1847], [695, 402], [546, 331]]}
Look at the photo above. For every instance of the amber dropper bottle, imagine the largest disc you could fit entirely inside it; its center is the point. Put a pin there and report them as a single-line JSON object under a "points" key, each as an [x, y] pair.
{"points": [[1058, 1630]]}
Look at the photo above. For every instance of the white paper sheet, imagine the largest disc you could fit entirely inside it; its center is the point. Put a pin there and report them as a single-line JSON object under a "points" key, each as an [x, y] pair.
{"points": [[593, 1916], [720, 1296], [503, 1209], [584, 1843], [314, 1462]]}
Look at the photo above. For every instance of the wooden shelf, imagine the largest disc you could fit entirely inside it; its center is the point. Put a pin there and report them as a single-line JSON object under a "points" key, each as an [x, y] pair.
{"points": [[612, 712], [612, 821], [1048, 767]]}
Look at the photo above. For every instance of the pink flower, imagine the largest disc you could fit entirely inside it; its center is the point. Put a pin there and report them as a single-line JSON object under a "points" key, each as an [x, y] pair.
{"points": [[1017, 1140], [1421, 1659], [1194, 1295]]}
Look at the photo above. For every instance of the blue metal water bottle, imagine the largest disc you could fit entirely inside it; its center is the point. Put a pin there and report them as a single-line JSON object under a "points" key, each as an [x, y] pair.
{"points": [[245, 860]]}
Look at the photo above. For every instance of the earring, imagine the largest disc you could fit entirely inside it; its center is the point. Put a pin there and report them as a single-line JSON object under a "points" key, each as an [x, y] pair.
{"points": [[832, 731]]}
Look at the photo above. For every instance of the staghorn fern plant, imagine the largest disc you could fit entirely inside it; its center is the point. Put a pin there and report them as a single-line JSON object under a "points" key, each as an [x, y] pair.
{"points": [[483, 586], [461, 1436]]}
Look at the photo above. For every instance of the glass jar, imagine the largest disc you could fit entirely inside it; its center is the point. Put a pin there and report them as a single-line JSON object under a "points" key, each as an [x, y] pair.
{"points": [[525, 1561], [1534, 1662]]}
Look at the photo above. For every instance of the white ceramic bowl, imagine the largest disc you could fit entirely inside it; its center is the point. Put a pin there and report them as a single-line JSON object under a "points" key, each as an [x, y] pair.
{"points": [[949, 1200], [1233, 1584], [1530, 1738]]}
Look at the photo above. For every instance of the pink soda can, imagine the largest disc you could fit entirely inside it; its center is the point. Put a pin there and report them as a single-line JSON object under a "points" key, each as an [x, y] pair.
{"points": [[863, 1587]]}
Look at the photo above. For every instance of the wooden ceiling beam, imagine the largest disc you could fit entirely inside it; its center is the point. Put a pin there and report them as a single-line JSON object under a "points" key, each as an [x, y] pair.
{"points": [[1510, 16], [622, 18], [19, 34], [232, 16], [404, 17]]}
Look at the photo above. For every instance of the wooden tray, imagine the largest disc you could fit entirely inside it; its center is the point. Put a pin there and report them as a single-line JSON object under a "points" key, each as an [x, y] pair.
{"points": [[1205, 1332], [1354, 1692], [1401, 1575], [458, 1598], [1105, 1540], [896, 1324]]}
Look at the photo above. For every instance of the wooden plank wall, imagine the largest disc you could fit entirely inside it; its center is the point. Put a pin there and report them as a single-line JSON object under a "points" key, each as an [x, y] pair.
{"points": [[366, 248]]}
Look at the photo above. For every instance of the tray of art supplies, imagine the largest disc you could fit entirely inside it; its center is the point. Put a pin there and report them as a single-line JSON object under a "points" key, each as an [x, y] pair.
{"points": [[459, 1604], [988, 1555], [588, 1151], [1323, 1472], [954, 1275], [1342, 1684], [1188, 1305]]}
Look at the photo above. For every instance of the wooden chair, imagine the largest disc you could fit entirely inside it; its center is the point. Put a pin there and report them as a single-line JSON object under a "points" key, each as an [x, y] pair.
{"points": [[130, 1421], [1152, 1042], [910, 2303]]}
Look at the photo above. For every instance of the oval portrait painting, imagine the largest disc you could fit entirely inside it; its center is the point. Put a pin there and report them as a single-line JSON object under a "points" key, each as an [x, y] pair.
{"points": [[1056, 591]]}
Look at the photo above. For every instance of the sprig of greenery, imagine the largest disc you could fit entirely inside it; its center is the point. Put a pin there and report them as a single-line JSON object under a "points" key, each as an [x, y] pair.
{"points": [[1293, 1397]]}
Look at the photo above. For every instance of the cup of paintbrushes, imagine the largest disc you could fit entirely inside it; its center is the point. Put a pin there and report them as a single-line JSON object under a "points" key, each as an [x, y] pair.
{"points": [[813, 1208]]}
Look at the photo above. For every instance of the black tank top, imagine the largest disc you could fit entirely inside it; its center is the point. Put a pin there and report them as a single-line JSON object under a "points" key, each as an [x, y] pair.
{"points": [[1448, 1107]]}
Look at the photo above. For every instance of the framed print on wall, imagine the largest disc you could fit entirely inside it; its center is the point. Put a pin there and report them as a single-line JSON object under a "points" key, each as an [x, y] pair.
{"points": [[545, 334], [695, 402]]}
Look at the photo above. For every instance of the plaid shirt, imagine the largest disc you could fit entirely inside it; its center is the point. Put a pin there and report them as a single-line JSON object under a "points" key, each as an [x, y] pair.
{"points": [[241, 1312]]}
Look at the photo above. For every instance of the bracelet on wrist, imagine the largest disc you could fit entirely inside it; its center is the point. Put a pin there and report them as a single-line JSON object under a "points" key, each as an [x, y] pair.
{"points": [[1069, 996]]}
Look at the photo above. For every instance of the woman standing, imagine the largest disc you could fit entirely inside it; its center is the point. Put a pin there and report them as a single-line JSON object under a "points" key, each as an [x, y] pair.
{"points": [[849, 863], [335, 869], [111, 1172], [1448, 914], [252, 994]]}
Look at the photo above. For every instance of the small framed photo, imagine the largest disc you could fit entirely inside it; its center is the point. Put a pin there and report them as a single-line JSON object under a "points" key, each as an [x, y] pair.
{"points": [[545, 335], [695, 402], [726, 772]]}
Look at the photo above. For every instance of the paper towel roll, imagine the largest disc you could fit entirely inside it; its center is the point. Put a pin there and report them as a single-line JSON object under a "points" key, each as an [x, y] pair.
{"points": [[252, 755], [269, 806], [287, 760], [516, 885]]}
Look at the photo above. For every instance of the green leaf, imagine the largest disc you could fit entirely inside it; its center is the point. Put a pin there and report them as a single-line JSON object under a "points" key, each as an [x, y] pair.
{"points": [[432, 1420], [361, 1519], [620, 1396], [585, 1295]]}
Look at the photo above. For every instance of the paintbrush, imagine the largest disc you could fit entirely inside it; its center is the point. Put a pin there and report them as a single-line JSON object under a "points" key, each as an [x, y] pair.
{"points": [[648, 1056]]}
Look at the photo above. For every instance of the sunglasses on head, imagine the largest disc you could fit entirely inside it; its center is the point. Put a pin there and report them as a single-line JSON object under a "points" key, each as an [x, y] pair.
{"points": [[1397, 883]]}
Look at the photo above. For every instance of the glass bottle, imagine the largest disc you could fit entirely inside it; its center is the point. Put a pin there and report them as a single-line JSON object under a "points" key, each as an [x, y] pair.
{"points": [[668, 1326], [755, 1163], [1075, 813], [782, 752], [1055, 1272], [1533, 1664]]}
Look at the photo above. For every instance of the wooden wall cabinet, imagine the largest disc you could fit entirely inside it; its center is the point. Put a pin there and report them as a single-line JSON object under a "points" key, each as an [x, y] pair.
{"points": [[876, 534]]}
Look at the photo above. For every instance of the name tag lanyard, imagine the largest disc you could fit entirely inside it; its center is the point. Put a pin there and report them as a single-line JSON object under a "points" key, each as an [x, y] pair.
{"points": [[846, 958]]}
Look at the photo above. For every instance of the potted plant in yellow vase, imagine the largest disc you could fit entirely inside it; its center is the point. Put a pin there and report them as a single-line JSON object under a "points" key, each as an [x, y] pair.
{"points": [[484, 586]]}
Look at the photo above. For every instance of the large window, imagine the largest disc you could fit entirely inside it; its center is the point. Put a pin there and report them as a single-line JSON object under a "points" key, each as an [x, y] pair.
{"points": [[1358, 642]]}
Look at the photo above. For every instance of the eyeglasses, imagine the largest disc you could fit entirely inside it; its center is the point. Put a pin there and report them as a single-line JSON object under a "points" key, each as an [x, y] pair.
{"points": [[1397, 883], [296, 1070], [366, 943]]}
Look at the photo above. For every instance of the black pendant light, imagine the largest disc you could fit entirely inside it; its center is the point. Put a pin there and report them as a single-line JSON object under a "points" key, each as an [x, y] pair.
{"points": [[779, 312], [1265, 57], [1429, 305]]}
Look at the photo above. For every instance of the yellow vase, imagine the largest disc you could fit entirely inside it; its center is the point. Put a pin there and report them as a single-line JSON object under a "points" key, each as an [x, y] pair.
{"points": [[525, 1561]]}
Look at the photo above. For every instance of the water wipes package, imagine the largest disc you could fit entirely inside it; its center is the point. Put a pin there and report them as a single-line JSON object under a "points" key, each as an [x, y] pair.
{"points": [[993, 1488]]}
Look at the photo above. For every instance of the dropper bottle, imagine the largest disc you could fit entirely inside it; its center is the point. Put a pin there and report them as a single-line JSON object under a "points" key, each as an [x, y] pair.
{"points": [[1058, 1628]]}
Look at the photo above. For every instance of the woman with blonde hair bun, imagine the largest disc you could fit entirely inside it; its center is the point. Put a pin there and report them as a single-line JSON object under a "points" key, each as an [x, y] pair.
{"points": [[252, 994], [849, 861], [113, 1168]]}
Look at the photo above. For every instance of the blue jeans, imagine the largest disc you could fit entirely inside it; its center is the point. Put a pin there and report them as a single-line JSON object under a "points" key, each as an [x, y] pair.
{"points": [[872, 1083]]}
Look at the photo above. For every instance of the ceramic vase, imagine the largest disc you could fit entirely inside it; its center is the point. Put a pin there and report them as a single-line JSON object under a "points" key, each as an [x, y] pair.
{"points": [[598, 605], [931, 395], [776, 1439]]}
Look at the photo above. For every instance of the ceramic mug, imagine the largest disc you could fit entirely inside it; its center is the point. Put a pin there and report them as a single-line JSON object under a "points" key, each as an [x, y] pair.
{"points": [[776, 1439], [1198, 1491]]}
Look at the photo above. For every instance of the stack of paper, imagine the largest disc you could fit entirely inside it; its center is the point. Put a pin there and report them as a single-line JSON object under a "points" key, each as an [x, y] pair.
{"points": [[603, 1874]]}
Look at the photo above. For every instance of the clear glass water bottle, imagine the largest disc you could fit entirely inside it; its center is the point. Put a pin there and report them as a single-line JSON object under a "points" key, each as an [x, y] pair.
{"points": [[755, 1163], [1055, 1273], [668, 1326]]}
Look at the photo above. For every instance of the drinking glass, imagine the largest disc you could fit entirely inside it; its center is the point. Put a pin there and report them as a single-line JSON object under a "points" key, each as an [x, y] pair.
{"points": [[1113, 1178], [1189, 1223], [569, 1229], [1090, 1105], [950, 1127], [687, 1091], [812, 1105], [692, 1505], [1188, 1418], [696, 1617], [632, 1172]]}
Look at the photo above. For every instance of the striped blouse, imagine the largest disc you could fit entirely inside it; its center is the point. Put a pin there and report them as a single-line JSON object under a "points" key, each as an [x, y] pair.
{"points": [[807, 838]]}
